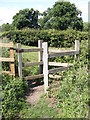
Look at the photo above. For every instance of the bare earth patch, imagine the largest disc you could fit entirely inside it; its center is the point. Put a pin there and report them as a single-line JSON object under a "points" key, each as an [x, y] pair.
{"points": [[34, 93]]}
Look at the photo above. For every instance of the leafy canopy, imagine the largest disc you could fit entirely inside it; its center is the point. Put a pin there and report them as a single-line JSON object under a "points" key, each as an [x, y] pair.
{"points": [[26, 18], [62, 16]]}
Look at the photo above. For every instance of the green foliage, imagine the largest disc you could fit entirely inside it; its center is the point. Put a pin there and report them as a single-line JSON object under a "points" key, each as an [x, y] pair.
{"points": [[26, 18], [73, 96], [55, 38], [85, 26], [62, 16], [6, 27], [13, 97]]}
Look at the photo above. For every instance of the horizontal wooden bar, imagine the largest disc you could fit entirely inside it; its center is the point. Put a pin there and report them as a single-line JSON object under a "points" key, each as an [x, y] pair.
{"points": [[6, 59], [59, 64], [54, 76], [6, 45], [63, 53], [7, 72], [55, 70], [34, 77], [30, 50], [32, 64]]}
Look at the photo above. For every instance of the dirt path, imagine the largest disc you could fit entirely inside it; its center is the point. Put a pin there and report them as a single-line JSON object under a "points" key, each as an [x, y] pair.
{"points": [[35, 91]]}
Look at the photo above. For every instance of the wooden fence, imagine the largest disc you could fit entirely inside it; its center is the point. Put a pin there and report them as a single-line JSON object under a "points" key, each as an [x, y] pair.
{"points": [[10, 60], [43, 63]]}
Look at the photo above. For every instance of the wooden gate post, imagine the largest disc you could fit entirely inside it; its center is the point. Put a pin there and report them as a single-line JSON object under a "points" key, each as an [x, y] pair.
{"points": [[12, 56], [45, 65], [19, 60], [77, 48], [40, 56]]}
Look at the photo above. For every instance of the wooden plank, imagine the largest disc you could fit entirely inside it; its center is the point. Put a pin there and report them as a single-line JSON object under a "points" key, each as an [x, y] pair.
{"points": [[33, 77], [40, 56], [7, 72], [6, 45], [32, 64], [55, 70], [59, 51], [63, 53], [54, 76], [12, 63], [77, 45], [19, 61], [2, 59], [45, 65], [32, 50], [59, 64]]}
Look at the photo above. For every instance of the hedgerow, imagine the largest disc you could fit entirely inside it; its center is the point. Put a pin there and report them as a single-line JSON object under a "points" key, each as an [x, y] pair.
{"points": [[54, 38]]}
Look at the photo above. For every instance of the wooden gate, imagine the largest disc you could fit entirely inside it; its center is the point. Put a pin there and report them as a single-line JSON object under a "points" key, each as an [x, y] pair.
{"points": [[10, 60]]}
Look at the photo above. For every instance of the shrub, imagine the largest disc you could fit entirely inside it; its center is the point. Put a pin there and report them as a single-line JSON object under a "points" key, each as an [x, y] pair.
{"points": [[55, 38], [13, 97], [73, 96]]}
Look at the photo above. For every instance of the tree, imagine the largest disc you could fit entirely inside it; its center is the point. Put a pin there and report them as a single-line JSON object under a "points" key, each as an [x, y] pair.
{"points": [[26, 18], [62, 16]]}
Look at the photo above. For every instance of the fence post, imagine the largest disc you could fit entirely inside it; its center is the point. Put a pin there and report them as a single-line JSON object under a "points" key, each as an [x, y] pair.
{"points": [[19, 60], [45, 65], [40, 56], [12, 63], [77, 47]]}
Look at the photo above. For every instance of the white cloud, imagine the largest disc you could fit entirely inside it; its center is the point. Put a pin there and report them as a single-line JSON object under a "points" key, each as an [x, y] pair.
{"points": [[39, 7], [6, 14], [83, 6]]}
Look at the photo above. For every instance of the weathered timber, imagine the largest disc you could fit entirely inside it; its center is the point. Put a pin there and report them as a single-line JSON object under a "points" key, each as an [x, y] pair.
{"points": [[6, 45], [54, 76], [63, 53], [55, 70], [19, 61], [30, 50], [40, 55], [59, 64], [6, 72], [34, 77], [45, 65], [12, 63], [2, 59]]}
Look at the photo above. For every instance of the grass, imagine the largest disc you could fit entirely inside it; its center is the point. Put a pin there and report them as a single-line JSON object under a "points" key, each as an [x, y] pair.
{"points": [[40, 110]]}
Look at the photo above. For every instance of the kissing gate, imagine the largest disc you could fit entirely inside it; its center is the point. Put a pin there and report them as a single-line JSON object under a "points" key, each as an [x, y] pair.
{"points": [[43, 63]]}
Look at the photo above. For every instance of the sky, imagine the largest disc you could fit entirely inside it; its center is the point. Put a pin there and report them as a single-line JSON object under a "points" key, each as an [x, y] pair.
{"points": [[8, 8]]}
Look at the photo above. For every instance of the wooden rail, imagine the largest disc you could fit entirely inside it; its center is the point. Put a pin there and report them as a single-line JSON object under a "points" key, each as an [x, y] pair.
{"points": [[54, 76], [6, 45], [30, 50], [55, 70], [11, 59], [63, 53], [7, 72], [34, 77], [59, 64], [2, 59]]}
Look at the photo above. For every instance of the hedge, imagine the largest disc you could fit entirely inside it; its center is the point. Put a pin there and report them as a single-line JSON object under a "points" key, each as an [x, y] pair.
{"points": [[54, 38]]}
